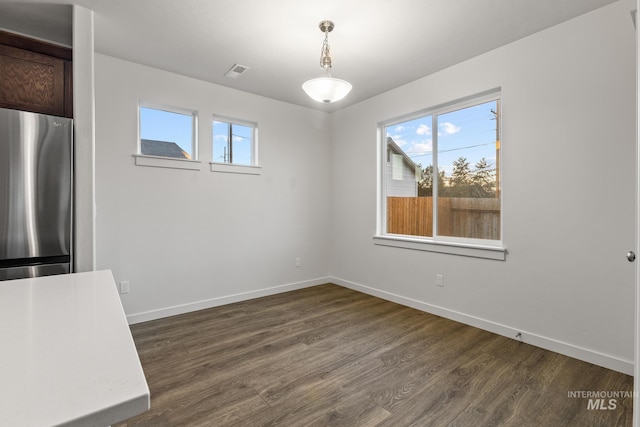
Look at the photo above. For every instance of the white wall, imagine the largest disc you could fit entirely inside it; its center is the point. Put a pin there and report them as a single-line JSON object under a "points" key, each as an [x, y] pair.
{"points": [[198, 238], [191, 239], [569, 194], [84, 139]]}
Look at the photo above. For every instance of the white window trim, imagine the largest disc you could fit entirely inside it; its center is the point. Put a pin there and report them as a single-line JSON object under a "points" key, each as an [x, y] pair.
{"points": [[168, 162], [478, 248], [443, 247], [252, 169], [231, 168]]}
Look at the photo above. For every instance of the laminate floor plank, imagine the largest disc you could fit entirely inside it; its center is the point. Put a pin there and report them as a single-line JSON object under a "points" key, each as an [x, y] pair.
{"points": [[380, 360], [330, 356]]}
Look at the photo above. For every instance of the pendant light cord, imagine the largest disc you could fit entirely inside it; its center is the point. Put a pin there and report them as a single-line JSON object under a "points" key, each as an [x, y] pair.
{"points": [[325, 56]]}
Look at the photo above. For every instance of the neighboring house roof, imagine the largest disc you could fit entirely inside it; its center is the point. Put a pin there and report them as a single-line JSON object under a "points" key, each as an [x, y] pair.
{"points": [[151, 147], [395, 148]]}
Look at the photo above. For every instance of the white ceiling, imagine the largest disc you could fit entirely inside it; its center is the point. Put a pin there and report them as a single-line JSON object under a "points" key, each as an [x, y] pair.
{"points": [[377, 45]]}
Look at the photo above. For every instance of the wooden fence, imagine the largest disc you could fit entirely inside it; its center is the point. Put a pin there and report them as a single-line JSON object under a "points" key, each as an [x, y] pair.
{"points": [[459, 217]]}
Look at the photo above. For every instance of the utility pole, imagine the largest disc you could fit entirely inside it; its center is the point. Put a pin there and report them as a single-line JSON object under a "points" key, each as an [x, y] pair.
{"points": [[496, 114]]}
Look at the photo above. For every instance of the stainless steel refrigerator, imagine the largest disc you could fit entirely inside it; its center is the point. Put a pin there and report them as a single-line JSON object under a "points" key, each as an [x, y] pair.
{"points": [[36, 183]]}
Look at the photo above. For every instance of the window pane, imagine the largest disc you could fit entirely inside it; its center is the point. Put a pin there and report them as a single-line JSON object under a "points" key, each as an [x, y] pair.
{"points": [[232, 143], [408, 177], [241, 144], [220, 142], [468, 160], [166, 133]]}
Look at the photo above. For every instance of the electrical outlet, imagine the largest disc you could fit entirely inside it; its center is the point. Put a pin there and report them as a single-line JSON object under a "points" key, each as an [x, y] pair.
{"points": [[298, 262], [440, 280], [124, 287]]}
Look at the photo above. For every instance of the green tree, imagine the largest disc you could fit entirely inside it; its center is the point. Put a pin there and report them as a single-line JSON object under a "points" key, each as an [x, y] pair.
{"points": [[461, 179], [425, 185], [461, 175], [482, 180]]}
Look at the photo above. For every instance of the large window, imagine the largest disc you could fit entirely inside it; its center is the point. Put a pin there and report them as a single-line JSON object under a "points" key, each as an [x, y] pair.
{"points": [[441, 174], [234, 142], [167, 132]]}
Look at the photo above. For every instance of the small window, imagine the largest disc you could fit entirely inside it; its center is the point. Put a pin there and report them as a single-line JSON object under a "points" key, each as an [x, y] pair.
{"points": [[441, 174], [234, 142], [167, 133]]}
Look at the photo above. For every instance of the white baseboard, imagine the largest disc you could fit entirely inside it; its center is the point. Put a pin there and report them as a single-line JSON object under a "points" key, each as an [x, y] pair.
{"points": [[215, 302], [604, 360], [600, 359]]}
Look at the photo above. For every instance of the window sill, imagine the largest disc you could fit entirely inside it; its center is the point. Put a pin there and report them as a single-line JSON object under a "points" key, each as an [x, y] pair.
{"points": [[166, 162], [241, 169], [463, 249]]}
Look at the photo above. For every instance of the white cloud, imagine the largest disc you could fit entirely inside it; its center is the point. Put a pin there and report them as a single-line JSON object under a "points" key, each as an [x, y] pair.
{"points": [[398, 140], [449, 128], [399, 128], [421, 148], [423, 130]]}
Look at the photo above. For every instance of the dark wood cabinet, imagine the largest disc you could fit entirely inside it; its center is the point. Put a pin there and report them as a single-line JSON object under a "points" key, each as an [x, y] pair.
{"points": [[35, 76]]}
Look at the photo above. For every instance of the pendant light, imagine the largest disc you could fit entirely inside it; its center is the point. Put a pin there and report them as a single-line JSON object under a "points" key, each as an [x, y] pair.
{"points": [[326, 88]]}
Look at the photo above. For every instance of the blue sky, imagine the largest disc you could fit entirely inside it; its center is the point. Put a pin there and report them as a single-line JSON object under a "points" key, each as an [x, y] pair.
{"points": [[167, 126], [241, 137], [469, 132]]}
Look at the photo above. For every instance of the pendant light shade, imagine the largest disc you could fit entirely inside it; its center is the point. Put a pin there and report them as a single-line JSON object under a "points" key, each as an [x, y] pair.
{"points": [[326, 88]]}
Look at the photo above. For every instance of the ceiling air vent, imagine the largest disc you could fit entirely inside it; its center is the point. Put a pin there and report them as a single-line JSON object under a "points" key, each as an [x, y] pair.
{"points": [[236, 71]]}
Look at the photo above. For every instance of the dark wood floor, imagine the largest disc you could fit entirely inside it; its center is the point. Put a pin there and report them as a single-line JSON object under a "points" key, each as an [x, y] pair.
{"points": [[330, 356]]}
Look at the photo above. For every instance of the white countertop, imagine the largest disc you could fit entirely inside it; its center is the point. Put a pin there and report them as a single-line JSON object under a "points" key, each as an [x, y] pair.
{"points": [[67, 357]]}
